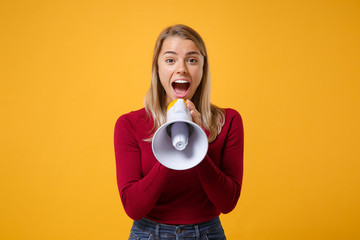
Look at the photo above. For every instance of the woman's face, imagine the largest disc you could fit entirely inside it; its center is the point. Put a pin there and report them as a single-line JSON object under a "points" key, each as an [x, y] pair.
{"points": [[180, 66]]}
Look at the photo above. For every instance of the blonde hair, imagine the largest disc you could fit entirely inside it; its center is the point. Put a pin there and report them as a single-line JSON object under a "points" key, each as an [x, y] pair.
{"points": [[213, 117]]}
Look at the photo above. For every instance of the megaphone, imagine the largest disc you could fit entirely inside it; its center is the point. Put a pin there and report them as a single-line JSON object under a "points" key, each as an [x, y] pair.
{"points": [[180, 143]]}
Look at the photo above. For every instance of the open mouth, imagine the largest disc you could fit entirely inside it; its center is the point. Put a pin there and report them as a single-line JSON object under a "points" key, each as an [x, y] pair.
{"points": [[181, 88]]}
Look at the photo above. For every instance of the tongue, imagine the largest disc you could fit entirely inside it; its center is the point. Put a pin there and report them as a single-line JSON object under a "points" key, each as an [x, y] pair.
{"points": [[180, 88]]}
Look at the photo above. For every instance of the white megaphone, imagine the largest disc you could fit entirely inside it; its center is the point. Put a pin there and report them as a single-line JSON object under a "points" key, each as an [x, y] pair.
{"points": [[180, 143]]}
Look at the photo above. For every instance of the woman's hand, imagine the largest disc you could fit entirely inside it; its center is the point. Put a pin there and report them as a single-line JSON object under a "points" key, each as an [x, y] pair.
{"points": [[194, 113]]}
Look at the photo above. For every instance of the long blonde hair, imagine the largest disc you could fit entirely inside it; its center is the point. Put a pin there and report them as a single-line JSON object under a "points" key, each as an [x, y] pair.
{"points": [[213, 117]]}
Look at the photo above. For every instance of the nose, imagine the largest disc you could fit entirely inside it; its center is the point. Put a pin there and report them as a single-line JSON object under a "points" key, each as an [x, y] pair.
{"points": [[181, 67]]}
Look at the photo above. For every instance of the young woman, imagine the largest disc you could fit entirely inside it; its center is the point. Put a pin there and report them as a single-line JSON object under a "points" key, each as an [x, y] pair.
{"points": [[185, 204]]}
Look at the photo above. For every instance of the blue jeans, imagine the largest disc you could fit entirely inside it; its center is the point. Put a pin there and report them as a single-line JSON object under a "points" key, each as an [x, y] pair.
{"points": [[149, 230]]}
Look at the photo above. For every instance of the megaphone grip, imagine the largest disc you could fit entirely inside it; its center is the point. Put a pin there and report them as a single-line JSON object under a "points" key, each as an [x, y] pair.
{"points": [[179, 135]]}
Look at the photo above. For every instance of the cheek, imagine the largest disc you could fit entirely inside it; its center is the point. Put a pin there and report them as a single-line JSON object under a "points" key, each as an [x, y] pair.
{"points": [[198, 74], [164, 73], [164, 76], [163, 82], [161, 75]]}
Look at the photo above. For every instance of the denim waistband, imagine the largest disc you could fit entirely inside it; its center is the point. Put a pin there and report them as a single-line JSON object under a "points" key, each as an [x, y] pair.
{"points": [[165, 230]]}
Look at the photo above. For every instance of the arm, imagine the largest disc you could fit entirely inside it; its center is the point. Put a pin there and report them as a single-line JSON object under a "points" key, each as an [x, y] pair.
{"points": [[223, 186], [138, 193]]}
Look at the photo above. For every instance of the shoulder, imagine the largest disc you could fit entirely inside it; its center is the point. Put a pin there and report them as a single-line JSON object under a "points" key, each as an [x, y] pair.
{"points": [[232, 114], [233, 120], [133, 115], [232, 126], [133, 118]]}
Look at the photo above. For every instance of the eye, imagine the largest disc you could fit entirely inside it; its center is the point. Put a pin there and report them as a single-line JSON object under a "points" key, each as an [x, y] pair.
{"points": [[169, 60], [192, 60]]}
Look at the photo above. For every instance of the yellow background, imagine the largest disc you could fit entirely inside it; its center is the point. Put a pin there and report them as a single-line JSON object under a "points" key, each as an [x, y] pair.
{"points": [[68, 69]]}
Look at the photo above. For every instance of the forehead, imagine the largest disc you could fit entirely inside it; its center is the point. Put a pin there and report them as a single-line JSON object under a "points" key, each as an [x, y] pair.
{"points": [[178, 45]]}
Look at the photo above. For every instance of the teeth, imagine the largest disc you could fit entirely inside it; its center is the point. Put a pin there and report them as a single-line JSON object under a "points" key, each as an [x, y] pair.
{"points": [[181, 81]]}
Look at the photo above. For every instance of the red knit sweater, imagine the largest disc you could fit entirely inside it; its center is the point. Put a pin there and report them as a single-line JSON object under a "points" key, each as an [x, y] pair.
{"points": [[148, 189]]}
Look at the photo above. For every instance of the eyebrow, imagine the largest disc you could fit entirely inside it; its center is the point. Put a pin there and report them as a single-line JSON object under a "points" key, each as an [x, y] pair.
{"points": [[189, 53]]}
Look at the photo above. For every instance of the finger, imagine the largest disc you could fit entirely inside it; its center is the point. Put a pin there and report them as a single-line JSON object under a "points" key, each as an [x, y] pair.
{"points": [[190, 105], [196, 117], [194, 113]]}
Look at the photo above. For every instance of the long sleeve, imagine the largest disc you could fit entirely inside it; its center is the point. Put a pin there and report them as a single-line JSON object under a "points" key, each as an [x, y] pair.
{"points": [[148, 189], [223, 184], [138, 193]]}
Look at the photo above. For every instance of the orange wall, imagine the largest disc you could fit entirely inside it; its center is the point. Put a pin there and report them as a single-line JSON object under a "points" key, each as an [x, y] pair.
{"points": [[68, 69]]}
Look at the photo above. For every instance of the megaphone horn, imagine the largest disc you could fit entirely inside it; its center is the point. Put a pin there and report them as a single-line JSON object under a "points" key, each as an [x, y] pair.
{"points": [[180, 143]]}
